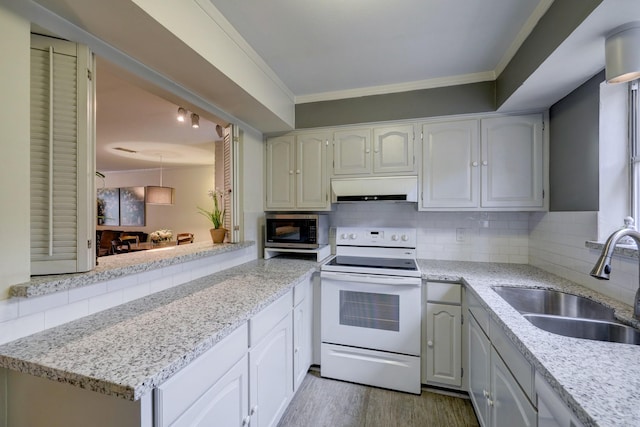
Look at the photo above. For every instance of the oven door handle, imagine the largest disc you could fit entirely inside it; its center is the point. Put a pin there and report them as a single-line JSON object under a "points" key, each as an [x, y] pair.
{"points": [[372, 279]]}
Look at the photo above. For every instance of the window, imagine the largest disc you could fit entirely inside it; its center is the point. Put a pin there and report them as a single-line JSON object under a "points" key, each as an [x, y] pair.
{"points": [[634, 149]]}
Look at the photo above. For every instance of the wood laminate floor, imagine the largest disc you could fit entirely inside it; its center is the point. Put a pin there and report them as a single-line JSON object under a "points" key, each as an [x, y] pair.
{"points": [[322, 402]]}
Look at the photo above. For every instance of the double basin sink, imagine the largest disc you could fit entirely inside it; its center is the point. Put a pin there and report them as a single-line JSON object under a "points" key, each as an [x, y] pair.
{"points": [[569, 315]]}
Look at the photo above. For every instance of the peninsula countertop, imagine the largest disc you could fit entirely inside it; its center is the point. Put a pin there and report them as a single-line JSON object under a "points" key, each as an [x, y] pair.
{"points": [[127, 350], [113, 266], [599, 380]]}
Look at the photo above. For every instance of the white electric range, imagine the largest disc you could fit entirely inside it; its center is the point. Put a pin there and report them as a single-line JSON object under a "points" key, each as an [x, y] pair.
{"points": [[370, 309]]}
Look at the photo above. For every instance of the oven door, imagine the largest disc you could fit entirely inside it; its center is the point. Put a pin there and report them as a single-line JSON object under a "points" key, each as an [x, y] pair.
{"points": [[371, 311]]}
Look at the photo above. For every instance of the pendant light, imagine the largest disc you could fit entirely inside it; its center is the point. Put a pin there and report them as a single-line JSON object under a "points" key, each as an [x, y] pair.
{"points": [[155, 195], [622, 53]]}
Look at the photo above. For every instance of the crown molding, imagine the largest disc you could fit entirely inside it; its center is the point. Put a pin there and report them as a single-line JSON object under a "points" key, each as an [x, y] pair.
{"points": [[398, 87], [526, 29]]}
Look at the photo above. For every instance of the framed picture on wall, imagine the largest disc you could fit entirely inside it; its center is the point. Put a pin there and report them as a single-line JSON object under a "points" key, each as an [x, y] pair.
{"points": [[108, 209], [132, 206]]}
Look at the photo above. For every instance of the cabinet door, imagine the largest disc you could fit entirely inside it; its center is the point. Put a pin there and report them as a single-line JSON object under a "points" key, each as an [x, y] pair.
{"points": [[512, 161], [301, 348], [271, 375], [450, 165], [311, 171], [225, 404], [508, 402], [352, 152], [479, 365], [280, 170], [393, 149], [444, 354], [552, 411]]}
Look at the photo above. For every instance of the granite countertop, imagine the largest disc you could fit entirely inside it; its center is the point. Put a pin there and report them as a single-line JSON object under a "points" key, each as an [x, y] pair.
{"points": [[128, 350], [113, 266], [600, 381]]}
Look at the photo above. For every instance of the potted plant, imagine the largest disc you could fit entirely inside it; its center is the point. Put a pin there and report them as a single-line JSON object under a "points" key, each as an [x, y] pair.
{"points": [[215, 216]]}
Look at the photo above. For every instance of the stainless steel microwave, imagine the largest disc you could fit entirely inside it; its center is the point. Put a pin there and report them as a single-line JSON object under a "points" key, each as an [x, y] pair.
{"points": [[296, 231]]}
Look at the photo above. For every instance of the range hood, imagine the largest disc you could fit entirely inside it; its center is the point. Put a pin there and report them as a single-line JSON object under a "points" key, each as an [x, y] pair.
{"points": [[378, 189]]}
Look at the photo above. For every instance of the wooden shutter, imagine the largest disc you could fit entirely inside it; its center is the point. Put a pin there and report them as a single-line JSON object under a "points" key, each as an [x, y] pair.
{"points": [[232, 221], [59, 163]]}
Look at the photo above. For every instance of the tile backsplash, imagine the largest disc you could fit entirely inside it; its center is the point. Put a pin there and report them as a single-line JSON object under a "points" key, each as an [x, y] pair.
{"points": [[456, 236]]}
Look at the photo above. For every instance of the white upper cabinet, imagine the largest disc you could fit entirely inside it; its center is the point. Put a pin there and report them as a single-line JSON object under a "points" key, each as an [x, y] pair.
{"points": [[365, 151], [512, 161], [494, 163], [393, 149], [311, 173], [352, 152], [296, 172], [280, 172], [450, 172]]}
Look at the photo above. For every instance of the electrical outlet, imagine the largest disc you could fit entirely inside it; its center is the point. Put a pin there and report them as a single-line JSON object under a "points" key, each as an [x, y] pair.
{"points": [[460, 234]]}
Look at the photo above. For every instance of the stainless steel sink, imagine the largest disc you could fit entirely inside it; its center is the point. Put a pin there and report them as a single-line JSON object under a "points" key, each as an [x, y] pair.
{"points": [[569, 315], [586, 328], [556, 303]]}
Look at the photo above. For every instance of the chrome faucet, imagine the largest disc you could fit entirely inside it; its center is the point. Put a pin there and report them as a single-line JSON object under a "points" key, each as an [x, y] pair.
{"points": [[602, 269]]}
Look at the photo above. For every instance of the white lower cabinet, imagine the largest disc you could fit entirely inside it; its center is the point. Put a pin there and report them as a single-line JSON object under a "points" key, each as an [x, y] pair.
{"points": [[497, 396], [244, 380], [271, 362], [210, 391], [442, 335], [552, 412], [302, 332]]}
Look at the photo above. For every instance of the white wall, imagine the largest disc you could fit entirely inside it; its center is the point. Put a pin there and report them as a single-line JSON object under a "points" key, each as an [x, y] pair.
{"points": [[191, 184], [488, 236], [14, 142], [252, 186], [613, 155]]}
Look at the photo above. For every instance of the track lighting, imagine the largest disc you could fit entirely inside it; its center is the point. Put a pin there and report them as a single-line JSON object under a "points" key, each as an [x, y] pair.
{"points": [[195, 121], [182, 113]]}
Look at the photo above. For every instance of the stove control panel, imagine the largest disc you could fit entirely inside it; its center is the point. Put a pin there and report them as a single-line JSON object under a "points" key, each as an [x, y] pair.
{"points": [[383, 237]]}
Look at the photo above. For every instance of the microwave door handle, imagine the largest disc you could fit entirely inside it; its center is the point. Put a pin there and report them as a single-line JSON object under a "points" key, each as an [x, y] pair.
{"points": [[370, 278]]}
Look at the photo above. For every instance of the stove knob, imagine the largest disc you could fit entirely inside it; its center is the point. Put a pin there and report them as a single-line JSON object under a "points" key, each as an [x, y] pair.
{"points": [[344, 236], [405, 237], [353, 236], [394, 237]]}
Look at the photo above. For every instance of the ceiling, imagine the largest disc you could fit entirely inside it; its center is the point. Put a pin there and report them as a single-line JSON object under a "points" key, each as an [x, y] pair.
{"points": [[130, 117], [325, 50], [324, 47]]}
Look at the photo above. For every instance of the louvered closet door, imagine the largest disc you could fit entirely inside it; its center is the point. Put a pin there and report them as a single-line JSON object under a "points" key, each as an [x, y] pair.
{"points": [[59, 161]]}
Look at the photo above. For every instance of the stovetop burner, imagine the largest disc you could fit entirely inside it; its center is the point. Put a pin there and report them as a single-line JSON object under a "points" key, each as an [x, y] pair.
{"points": [[370, 262]]}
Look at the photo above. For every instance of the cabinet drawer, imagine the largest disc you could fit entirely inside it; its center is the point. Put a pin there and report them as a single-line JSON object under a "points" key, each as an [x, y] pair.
{"points": [[179, 392], [448, 293], [521, 369], [478, 311], [262, 323]]}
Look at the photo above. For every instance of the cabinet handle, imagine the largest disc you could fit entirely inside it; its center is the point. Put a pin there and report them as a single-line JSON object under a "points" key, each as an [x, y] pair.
{"points": [[253, 410], [295, 350], [367, 151], [430, 343], [290, 172], [489, 402], [298, 171], [474, 164], [245, 420], [485, 393], [485, 163]]}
